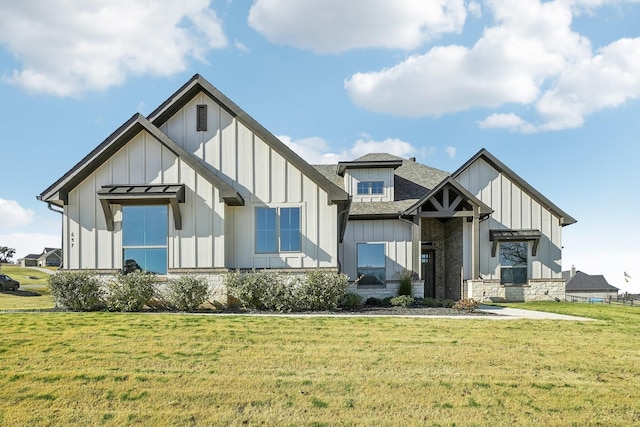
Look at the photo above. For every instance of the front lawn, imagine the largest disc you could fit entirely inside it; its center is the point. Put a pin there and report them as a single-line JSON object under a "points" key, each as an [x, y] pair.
{"points": [[33, 293], [174, 369]]}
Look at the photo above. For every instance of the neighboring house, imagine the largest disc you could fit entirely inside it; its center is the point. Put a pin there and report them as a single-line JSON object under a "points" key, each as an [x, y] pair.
{"points": [[50, 257], [199, 186], [30, 260], [581, 286]]}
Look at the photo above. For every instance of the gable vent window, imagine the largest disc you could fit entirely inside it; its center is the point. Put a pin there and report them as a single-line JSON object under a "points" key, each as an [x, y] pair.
{"points": [[202, 118]]}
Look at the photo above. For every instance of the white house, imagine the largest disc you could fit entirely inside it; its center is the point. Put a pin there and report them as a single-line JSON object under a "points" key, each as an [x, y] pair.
{"points": [[199, 186]]}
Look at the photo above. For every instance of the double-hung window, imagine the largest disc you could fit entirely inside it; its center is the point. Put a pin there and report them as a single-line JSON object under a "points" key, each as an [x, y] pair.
{"points": [[513, 263], [144, 238], [370, 187], [277, 230]]}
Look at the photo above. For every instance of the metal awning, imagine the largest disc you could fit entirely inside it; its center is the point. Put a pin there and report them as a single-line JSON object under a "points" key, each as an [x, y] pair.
{"points": [[143, 194], [514, 235]]}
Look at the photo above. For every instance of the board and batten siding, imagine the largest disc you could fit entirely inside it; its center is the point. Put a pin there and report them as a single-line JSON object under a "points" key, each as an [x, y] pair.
{"points": [[89, 245], [399, 240], [513, 209], [353, 176], [264, 178]]}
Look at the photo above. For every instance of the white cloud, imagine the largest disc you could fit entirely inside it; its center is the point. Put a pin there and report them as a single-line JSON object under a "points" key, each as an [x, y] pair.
{"points": [[69, 47], [316, 150], [334, 26], [506, 121], [29, 243], [14, 215], [530, 57], [451, 151]]}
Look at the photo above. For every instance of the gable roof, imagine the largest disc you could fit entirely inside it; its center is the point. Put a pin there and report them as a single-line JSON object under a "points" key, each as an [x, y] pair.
{"points": [[199, 84], [58, 192], [483, 209], [583, 282], [565, 219]]}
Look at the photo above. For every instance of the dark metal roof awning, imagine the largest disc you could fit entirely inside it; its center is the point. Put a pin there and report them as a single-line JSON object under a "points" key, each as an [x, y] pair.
{"points": [[514, 235], [144, 194]]}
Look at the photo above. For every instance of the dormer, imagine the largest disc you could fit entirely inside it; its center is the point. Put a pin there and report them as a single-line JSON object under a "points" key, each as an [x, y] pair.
{"points": [[369, 180]]}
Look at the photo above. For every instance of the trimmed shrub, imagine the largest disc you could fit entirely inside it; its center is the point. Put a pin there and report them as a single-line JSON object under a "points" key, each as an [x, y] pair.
{"points": [[130, 292], [404, 288], [188, 292], [402, 301], [429, 302], [321, 290], [448, 303], [76, 291], [351, 301], [264, 290], [374, 302]]}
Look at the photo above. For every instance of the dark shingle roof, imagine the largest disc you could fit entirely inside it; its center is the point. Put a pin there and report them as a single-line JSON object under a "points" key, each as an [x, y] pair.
{"points": [[583, 282], [412, 181]]}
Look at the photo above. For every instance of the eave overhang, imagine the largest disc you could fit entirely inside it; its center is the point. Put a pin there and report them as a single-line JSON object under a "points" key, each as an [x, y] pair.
{"points": [[58, 192], [370, 164]]}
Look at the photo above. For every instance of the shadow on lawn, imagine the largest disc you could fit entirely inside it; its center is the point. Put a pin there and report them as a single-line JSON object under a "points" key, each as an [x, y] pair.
{"points": [[22, 293]]}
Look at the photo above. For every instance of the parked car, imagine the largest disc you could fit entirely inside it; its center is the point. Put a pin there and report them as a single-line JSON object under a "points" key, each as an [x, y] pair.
{"points": [[7, 282]]}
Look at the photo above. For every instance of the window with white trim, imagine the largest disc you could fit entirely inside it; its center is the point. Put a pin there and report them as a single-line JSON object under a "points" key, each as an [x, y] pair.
{"points": [[370, 187], [513, 263], [144, 238], [277, 230]]}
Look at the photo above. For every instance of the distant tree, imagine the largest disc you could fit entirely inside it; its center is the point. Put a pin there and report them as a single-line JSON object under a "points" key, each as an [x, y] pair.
{"points": [[6, 254]]}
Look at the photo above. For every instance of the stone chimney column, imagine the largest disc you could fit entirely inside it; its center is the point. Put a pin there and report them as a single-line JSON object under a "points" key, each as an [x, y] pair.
{"points": [[573, 270]]}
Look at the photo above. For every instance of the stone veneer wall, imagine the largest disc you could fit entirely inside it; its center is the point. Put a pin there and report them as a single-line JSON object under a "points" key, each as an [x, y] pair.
{"points": [[453, 258], [534, 290], [390, 290]]}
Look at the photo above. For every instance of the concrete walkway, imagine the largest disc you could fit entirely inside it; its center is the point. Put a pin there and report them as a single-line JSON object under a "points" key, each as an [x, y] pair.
{"points": [[518, 313], [43, 270]]}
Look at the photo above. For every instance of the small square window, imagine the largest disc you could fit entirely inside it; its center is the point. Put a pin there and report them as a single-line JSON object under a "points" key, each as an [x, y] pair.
{"points": [[370, 187]]}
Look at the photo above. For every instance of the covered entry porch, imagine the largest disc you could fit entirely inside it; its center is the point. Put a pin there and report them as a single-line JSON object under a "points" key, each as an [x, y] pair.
{"points": [[449, 223]]}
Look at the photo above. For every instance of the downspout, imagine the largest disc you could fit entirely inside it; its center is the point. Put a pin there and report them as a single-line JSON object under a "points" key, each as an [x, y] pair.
{"points": [[342, 213], [61, 233]]}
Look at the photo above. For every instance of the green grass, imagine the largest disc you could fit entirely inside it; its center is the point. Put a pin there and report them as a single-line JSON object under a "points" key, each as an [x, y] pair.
{"points": [[33, 294], [169, 369]]}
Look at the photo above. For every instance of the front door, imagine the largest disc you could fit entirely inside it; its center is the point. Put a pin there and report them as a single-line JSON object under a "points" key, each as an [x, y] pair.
{"points": [[428, 263]]}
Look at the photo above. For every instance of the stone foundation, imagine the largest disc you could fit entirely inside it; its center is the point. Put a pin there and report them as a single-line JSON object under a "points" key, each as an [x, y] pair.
{"points": [[534, 290], [390, 290]]}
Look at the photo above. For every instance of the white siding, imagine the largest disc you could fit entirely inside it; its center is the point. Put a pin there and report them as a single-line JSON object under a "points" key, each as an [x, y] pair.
{"points": [[90, 246], [353, 176], [513, 209]]}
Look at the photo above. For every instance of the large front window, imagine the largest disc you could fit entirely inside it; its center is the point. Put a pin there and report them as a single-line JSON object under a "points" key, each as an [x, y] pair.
{"points": [[513, 263], [277, 230], [144, 238], [371, 264]]}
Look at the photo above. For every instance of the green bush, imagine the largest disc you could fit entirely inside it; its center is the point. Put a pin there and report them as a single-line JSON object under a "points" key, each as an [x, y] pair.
{"points": [[321, 290], [264, 290], [404, 288], [188, 292], [130, 292], [76, 291], [374, 302], [429, 302], [448, 303], [402, 301], [351, 301]]}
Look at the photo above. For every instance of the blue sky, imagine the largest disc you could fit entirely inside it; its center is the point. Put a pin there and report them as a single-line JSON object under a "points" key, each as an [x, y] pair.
{"points": [[550, 88]]}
